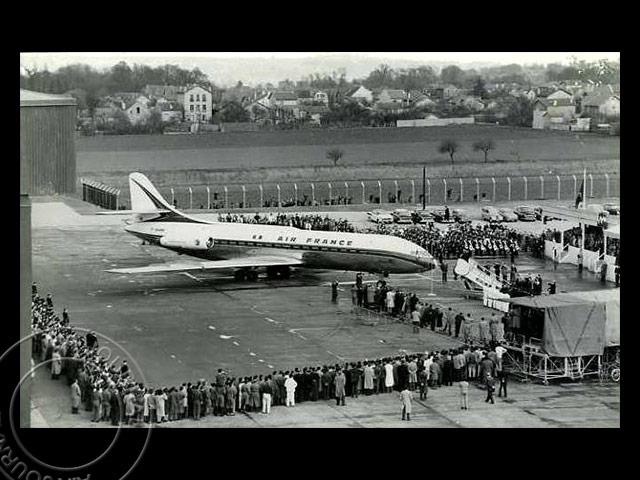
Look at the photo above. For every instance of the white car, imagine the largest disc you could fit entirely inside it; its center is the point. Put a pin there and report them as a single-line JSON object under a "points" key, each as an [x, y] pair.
{"points": [[401, 215], [508, 215], [490, 214], [380, 216]]}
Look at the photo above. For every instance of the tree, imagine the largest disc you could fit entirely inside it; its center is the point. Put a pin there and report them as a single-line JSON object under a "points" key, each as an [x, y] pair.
{"points": [[335, 154], [452, 74], [450, 147], [485, 146]]}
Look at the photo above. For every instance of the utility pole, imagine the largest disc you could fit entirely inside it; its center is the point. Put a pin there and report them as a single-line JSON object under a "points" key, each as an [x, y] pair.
{"points": [[424, 181]]}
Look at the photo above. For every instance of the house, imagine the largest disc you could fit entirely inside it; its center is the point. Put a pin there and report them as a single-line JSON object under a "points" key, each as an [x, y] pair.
{"points": [[603, 105], [107, 111], [436, 93], [560, 94], [469, 102], [260, 108], [419, 99], [321, 97], [138, 112], [198, 104], [449, 91], [284, 99], [312, 113], [553, 113], [392, 96], [170, 92], [360, 93], [305, 97], [170, 111]]}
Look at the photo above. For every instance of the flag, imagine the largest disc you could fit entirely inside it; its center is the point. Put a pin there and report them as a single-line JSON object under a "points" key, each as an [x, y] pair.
{"points": [[580, 195]]}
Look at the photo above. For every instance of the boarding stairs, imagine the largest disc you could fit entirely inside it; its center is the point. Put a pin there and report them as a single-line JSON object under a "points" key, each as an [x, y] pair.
{"points": [[479, 275]]}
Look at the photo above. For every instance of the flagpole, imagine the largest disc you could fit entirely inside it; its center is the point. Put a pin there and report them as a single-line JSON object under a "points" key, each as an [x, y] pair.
{"points": [[584, 189]]}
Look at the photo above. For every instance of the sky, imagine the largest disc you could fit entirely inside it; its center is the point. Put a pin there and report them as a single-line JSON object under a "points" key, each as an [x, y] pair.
{"points": [[253, 67]]}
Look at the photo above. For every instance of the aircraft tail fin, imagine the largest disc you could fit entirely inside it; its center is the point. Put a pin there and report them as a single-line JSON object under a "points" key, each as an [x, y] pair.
{"points": [[149, 204]]}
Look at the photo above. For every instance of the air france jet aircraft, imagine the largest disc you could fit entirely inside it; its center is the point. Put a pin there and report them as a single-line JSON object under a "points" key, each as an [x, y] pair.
{"points": [[247, 247]]}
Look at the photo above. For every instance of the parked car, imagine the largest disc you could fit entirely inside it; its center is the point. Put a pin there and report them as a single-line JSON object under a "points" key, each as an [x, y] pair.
{"points": [[401, 215], [460, 215], [525, 213], [421, 216], [490, 214], [612, 208], [508, 215], [380, 216]]}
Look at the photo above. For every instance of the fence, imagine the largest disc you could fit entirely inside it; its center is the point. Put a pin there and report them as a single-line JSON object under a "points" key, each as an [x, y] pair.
{"points": [[400, 191], [100, 194]]}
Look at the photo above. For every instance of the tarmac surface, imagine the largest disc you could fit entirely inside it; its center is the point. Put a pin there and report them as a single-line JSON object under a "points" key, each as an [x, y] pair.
{"points": [[181, 327]]}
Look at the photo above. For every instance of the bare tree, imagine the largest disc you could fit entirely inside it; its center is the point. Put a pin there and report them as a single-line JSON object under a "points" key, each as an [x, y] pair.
{"points": [[335, 154], [484, 146], [450, 147]]}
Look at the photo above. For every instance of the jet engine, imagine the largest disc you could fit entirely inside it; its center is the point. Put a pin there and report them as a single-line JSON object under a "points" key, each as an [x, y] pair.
{"points": [[188, 242]]}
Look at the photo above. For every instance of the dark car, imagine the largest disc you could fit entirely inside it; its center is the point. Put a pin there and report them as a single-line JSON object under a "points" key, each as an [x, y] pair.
{"points": [[526, 213]]}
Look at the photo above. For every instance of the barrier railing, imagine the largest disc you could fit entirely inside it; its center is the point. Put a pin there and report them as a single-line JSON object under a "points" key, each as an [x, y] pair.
{"points": [[439, 190]]}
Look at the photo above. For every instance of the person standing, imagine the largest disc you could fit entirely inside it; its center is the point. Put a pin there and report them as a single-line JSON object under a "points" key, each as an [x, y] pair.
{"points": [[129, 406], [290, 385], [56, 364], [502, 379], [445, 268], [75, 397], [266, 390], [369, 374], [334, 291], [415, 321], [340, 382], [464, 395], [412, 366], [490, 382], [459, 318], [405, 398], [105, 401], [388, 377], [161, 399], [423, 379]]}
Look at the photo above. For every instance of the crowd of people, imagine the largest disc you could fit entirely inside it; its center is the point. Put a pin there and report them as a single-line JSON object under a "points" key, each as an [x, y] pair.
{"points": [[112, 394], [460, 239], [302, 221]]}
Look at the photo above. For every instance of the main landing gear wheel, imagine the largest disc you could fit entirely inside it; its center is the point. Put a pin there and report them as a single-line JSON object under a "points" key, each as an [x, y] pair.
{"points": [[278, 272], [243, 274]]}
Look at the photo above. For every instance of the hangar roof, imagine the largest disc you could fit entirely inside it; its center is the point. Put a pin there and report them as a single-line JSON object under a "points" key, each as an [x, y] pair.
{"points": [[29, 98]]}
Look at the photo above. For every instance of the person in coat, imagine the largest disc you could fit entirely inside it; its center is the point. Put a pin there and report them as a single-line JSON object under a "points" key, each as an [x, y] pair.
{"points": [[96, 400], [490, 382], [405, 398], [105, 401], [388, 377], [75, 397], [413, 374], [130, 406], [464, 395], [232, 393], [56, 364], [161, 399], [116, 407], [290, 386], [340, 382], [369, 374]]}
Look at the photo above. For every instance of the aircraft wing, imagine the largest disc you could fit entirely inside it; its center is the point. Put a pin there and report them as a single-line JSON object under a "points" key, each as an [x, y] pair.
{"points": [[244, 262]]}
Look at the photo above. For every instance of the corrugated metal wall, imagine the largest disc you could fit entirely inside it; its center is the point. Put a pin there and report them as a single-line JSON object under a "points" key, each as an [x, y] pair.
{"points": [[47, 150]]}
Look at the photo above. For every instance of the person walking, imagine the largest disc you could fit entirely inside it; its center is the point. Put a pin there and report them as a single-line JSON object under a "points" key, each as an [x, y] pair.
{"points": [[340, 382], [290, 385], [490, 383], [405, 398], [464, 395], [75, 397]]}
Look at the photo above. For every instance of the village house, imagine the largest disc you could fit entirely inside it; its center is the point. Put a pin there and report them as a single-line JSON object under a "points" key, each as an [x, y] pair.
{"points": [[173, 93], [392, 96], [284, 99], [138, 112], [198, 104], [321, 97], [556, 114], [602, 106], [170, 111], [419, 99], [360, 93]]}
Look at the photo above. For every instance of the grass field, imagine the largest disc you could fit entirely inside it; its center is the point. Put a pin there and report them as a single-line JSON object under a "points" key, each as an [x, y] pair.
{"points": [[362, 146]]}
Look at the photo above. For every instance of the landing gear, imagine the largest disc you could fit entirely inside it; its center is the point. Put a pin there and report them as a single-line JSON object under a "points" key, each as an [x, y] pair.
{"points": [[248, 274], [278, 272]]}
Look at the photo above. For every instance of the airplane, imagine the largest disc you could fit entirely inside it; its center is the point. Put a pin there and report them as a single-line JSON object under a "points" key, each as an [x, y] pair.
{"points": [[245, 248]]}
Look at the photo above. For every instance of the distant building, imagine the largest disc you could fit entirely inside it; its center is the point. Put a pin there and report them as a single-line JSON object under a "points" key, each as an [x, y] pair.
{"points": [[556, 114], [321, 97], [360, 93], [138, 112], [284, 99], [198, 104], [392, 96], [603, 105], [170, 111], [170, 92]]}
